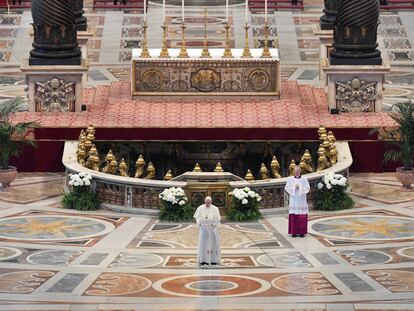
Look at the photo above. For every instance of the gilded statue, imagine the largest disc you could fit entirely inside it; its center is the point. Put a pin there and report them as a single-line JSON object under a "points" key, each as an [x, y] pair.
{"points": [[111, 166], [123, 168], [327, 146], [168, 176], [333, 155], [275, 167], [249, 176], [264, 172], [331, 137], [218, 168], [150, 171], [307, 162], [323, 137], [292, 167], [139, 167], [323, 163], [95, 163], [321, 150], [197, 168]]}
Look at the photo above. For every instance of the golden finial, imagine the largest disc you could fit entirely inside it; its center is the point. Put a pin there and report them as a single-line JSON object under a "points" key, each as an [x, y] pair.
{"points": [[81, 153], [302, 166], [292, 167], [249, 176], [109, 156], [218, 168], [323, 137], [110, 166], [321, 130], [321, 149], [333, 155], [93, 150], [327, 145], [197, 168], [275, 167], [90, 129], [88, 144], [331, 137], [123, 168], [264, 172], [168, 176], [322, 163], [82, 136], [139, 167], [307, 162], [95, 163], [150, 171]]}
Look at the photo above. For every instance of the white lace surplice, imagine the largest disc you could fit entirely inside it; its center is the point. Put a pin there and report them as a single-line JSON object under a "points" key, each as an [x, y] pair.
{"points": [[297, 197]]}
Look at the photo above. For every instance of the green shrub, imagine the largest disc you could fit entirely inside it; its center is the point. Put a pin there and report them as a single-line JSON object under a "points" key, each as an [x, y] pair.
{"points": [[244, 205], [174, 205], [80, 196]]}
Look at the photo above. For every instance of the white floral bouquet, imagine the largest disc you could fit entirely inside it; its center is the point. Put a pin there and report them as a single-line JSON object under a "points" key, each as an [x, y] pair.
{"points": [[332, 193], [79, 180], [331, 179], [245, 205], [174, 205]]}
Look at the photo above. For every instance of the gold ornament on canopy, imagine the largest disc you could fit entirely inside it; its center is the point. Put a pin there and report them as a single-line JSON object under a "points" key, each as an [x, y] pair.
{"points": [[264, 172], [168, 176], [150, 171], [249, 176], [292, 167], [139, 167], [275, 167], [197, 168], [123, 168], [219, 168]]}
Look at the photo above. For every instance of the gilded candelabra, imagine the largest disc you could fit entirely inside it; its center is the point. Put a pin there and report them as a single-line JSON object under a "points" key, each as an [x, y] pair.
{"points": [[246, 51], [164, 50], [227, 50], [183, 51], [144, 52], [266, 52], [205, 53]]}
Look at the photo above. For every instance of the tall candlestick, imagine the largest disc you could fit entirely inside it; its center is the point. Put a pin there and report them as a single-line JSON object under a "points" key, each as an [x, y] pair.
{"points": [[163, 11], [266, 11], [182, 10], [246, 10], [227, 10], [145, 10]]}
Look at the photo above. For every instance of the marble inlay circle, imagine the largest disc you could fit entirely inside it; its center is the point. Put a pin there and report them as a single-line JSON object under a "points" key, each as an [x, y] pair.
{"points": [[52, 228], [7, 253], [211, 285], [364, 227], [365, 257], [407, 252], [304, 284], [53, 257]]}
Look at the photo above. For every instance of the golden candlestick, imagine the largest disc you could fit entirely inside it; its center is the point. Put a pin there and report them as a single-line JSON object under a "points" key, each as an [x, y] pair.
{"points": [[246, 51], [227, 50], [266, 52], [144, 52], [205, 53], [183, 51], [164, 50]]}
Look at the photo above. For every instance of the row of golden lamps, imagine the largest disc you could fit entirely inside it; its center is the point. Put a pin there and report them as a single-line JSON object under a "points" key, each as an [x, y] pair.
{"points": [[205, 52], [88, 156]]}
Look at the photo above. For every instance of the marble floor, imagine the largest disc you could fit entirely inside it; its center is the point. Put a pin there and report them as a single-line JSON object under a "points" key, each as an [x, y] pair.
{"points": [[57, 259]]}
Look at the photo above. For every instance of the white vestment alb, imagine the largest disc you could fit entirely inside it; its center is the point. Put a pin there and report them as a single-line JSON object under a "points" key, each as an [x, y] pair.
{"points": [[208, 219], [297, 196]]}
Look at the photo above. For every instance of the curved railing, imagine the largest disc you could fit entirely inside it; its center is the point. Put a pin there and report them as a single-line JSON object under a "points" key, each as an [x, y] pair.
{"points": [[139, 195]]}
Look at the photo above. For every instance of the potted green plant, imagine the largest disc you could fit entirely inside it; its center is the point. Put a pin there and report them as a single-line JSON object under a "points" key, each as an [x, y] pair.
{"points": [[174, 205], [245, 205], [403, 142], [13, 136]]}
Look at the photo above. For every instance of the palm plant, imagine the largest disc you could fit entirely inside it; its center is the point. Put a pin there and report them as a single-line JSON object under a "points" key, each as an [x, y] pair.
{"points": [[403, 145], [13, 136]]}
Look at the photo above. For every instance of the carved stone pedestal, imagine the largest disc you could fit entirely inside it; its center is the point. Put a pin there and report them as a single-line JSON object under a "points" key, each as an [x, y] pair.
{"points": [[326, 40], [355, 88], [56, 88]]}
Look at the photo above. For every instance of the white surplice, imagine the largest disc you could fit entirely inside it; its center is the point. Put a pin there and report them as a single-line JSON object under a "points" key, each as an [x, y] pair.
{"points": [[208, 219], [297, 196]]}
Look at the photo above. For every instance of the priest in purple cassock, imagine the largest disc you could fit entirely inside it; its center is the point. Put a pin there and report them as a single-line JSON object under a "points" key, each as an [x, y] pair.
{"points": [[297, 187], [208, 218]]}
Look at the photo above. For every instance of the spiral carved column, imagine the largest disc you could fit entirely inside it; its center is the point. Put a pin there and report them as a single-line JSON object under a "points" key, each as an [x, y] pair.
{"points": [[55, 38], [355, 33], [328, 19], [81, 22]]}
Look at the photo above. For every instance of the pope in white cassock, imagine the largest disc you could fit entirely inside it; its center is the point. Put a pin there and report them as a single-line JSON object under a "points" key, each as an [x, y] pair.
{"points": [[297, 186], [208, 219]]}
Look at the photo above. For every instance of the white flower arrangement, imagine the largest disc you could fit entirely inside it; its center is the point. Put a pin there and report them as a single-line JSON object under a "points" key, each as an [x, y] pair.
{"points": [[79, 180], [331, 179], [245, 194], [174, 195]]}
